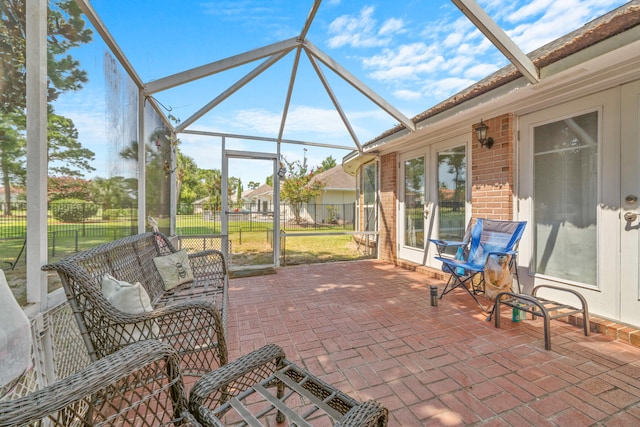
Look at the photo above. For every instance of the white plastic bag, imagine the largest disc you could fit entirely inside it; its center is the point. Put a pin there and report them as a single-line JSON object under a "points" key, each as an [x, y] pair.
{"points": [[497, 276]]}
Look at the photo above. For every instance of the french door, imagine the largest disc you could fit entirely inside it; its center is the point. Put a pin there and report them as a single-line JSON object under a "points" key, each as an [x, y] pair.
{"points": [[414, 208], [579, 189], [630, 212], [433, 198]]}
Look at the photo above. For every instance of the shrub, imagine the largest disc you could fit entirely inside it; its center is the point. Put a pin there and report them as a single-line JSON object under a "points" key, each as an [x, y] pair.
{"points": [[118, 213], [72, 210]]}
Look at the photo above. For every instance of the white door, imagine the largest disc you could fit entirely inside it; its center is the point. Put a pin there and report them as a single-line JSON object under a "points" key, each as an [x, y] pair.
{"points": [[569, 170], [413, 206], [630, 196], [434, 199]]}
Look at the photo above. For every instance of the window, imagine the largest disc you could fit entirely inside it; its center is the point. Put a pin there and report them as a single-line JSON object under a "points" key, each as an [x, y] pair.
{"points": [[565, 198], [452, 193]]}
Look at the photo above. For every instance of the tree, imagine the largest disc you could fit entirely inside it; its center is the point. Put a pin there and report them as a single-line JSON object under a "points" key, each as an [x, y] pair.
{"points": [[12, 148], [212, 181], [189, 182], [65, 29], [69, 187], [328, 163], [65, 151], [239, 192], [113, 192], [252, 185], [299, 187]]}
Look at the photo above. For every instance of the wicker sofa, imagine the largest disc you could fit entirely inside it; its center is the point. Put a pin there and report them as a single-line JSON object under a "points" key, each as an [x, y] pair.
{"points": [[191, 317]]}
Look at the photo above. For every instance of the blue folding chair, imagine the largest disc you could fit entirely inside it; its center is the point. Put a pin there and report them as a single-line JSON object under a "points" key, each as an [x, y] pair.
{"points": [[486, 238]]}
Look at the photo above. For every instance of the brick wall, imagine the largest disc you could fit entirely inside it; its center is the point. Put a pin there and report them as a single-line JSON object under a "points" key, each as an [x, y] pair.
{"points": [[388, 217], [492, 171]]}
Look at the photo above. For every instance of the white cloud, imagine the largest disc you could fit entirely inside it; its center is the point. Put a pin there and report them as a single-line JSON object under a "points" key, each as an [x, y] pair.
{"points": [[445, 87], [530, 10], [406, 94], [391, 26], [405, 62], [479, 71], [359, 31]]}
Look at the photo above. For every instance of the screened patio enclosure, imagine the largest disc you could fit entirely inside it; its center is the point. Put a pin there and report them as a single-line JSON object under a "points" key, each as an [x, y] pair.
{"points": [[142, 133]]}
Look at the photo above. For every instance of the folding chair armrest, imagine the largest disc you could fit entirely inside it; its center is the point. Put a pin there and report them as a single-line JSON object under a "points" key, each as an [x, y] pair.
{"points": [[446, 243], [233, 378]]}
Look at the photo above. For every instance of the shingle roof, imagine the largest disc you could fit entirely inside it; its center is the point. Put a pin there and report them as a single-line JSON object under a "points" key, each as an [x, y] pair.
{"points": [[263, 189], [336, 179]]}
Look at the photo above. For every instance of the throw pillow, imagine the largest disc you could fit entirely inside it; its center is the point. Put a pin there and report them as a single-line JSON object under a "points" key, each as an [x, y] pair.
{"points": [[131, 299], [174, 269]]}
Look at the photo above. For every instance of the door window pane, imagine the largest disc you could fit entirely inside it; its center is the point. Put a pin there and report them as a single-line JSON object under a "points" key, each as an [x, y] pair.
{"points": [[414, 202], [452, 190], [565, 192], [369, 196]]}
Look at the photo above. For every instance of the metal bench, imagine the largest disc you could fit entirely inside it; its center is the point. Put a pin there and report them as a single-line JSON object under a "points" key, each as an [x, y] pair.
{"points": [[542, 307]]}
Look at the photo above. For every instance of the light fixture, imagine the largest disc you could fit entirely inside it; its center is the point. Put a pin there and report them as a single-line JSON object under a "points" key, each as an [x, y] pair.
{"points": [[282, 171], [481, 134]]}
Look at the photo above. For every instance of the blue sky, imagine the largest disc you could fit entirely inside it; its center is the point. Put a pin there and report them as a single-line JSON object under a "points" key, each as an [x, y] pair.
{"points": [[412, 53]]}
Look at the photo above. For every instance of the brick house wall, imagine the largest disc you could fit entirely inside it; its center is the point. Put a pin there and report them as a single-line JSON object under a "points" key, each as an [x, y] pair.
{"points": [[387, 219], [492, 171]]}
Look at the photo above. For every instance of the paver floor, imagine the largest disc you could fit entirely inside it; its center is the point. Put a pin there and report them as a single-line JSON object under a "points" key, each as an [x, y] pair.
{"points": [[368, 328]]}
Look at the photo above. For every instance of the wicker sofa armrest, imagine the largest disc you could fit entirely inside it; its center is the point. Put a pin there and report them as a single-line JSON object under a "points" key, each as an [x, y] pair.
{"points": [[232, 379], [193, 328], [209, 263], [115, 390], [367, 414]]}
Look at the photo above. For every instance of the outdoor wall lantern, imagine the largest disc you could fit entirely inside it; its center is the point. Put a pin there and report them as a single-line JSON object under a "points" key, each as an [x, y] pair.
{"points": [[282, 171], [481, 134]]}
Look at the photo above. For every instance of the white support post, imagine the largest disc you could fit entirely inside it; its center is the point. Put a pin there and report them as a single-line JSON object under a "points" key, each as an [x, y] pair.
{"points": [[276, 209], [224, 208], [36, 60], [173, 189], [142, 171]]}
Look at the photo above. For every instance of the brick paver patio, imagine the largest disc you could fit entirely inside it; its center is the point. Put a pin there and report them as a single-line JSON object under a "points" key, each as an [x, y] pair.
{"points": [[368, 328]]}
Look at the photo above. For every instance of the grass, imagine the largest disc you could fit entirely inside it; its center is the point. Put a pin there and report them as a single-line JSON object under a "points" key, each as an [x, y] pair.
{"points": [[248, 248]]}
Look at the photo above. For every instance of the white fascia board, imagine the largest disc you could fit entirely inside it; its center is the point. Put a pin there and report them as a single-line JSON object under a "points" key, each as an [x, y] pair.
{"points": [[218, 66], [499, 38], [357, 84]]}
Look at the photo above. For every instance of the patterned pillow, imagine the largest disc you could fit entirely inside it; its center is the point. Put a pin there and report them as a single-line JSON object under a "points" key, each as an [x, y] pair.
{"points": [[174, 269]]}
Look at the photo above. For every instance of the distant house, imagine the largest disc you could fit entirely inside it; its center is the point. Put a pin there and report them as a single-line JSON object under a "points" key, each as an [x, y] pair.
{"points": [[260, 199], [340, 187], [336, 203]]}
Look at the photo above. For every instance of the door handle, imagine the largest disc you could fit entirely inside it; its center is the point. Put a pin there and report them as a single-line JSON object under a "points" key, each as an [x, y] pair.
{"points": [[426, 214], [630, 216]]}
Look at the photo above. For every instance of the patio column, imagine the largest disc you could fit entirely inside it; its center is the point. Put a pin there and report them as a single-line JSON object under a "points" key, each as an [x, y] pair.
{"points": [[36, 61]]}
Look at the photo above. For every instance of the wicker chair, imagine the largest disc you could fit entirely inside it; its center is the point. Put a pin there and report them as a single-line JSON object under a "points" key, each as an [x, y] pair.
{"points": [[190, 317], [140, 385]]}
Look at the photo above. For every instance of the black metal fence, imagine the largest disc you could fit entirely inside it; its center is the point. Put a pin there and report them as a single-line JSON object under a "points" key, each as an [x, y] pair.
{"points": [[75, 226], [200, 219]]}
